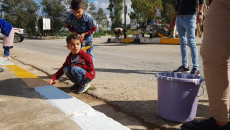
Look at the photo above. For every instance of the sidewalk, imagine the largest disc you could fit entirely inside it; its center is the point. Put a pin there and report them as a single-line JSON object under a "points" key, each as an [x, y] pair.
{"points": [[22, 107], [27, 102]]}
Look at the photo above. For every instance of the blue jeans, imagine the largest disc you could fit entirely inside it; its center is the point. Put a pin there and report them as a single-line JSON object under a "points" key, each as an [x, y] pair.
{"points": [[186, 26], [7, 50], [76, 75], [90, 50]]}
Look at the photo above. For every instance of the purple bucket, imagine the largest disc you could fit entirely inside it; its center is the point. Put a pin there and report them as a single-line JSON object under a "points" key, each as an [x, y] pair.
{"points": [[178, 96]]}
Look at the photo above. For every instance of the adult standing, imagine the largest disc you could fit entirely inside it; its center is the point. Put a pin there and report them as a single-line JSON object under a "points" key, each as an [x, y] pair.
{"points": [[186, 16], [215, 52]]}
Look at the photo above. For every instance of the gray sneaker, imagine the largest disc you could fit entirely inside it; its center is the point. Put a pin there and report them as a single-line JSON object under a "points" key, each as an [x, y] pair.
{"points": [[83, 88]]}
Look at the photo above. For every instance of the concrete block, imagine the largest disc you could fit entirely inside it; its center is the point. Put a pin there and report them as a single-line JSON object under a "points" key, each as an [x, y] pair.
{"points": [[170, 41], [128, 40], [145, 40]]}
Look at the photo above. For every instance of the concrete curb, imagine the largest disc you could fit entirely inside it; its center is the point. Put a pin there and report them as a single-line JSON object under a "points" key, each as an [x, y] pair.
{"points": [[81, 113], [157, 40]]}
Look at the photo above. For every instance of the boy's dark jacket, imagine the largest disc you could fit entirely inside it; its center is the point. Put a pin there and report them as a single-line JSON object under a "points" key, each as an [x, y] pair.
{"points": [[86, 64]]}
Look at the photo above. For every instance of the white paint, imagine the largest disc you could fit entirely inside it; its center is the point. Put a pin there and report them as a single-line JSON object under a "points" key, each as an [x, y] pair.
{"points": [[149, 40], [63, 101], [144, 40], [3, 61], [94, 120], [155, 40], [83, 114]]}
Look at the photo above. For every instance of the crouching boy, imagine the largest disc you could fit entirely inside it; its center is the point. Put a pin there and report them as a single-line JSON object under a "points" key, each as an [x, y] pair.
{"points": [[78, 66]]}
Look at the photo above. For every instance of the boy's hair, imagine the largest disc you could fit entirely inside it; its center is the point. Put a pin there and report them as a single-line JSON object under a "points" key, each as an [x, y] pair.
{"points": [[77, 4], [72, 37]]}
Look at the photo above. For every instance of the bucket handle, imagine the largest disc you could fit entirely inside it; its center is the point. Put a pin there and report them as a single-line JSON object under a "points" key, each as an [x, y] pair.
{"points": [[202, 86]]}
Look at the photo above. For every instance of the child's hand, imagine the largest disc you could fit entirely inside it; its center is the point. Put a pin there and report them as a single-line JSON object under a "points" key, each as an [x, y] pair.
{"points": [[51, 81], [82, 36]]}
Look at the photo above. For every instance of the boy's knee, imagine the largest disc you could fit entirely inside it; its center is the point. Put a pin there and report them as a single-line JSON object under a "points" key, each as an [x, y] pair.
{"points": [[66, 69], [75, 69]]}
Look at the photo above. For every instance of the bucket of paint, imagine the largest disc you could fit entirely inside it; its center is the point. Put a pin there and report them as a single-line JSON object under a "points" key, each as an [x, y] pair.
{"points": [[178, 96]]}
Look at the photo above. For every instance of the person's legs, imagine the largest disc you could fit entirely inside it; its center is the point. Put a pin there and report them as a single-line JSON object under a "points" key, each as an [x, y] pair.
{"points": [[215, 52], [90, 50], [6, 51], [79, 73], [183, 39], [190, 25], [8, 43], [67, 72]]}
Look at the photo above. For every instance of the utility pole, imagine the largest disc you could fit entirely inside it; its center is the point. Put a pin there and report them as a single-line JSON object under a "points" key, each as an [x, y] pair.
{"points": [[125, 12], [1, 7]]}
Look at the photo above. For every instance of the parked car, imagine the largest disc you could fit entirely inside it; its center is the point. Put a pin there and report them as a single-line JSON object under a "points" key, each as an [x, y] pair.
{"points": [[19, 35]]}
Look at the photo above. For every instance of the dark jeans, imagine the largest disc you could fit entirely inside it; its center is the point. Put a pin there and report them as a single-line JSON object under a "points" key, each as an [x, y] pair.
{"points": [[7, 50], [76, 75]]}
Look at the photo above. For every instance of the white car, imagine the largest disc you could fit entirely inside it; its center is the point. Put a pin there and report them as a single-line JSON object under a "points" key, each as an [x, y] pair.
{"points": [[19, 35]]}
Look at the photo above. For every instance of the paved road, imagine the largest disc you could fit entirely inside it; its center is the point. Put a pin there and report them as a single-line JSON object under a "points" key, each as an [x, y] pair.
{"points": [[124, 72]]}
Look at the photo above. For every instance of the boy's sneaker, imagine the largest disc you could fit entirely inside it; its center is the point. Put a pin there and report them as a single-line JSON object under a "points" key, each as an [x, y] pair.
{"points": [[182, 69], [207, 124], [195, 71], [74, 87], [83, 88]]}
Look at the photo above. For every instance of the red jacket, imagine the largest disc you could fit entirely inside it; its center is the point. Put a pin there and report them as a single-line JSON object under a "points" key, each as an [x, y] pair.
{"points": [[86, 64]]}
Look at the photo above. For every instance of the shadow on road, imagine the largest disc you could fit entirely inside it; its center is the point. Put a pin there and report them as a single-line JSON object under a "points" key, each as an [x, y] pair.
{"points": [[147, 111], [128, 71], [17, 87]]}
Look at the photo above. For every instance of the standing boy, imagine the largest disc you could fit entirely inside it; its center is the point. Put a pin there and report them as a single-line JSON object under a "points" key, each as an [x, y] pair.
{"points": [[81, 23], [78, 66], [186, 16], [215, 52]]}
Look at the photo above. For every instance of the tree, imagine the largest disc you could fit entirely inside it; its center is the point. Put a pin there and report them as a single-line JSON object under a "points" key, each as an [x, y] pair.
{"points": [[101, 19], [91, 9], [115, 7], [168, 13], [21, 14], [145, 8], [55, 10]]}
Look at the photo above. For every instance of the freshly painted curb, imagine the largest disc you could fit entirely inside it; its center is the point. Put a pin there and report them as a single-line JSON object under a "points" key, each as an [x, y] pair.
{"points": [[146, 40], [170, 41], [83, 114]]}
